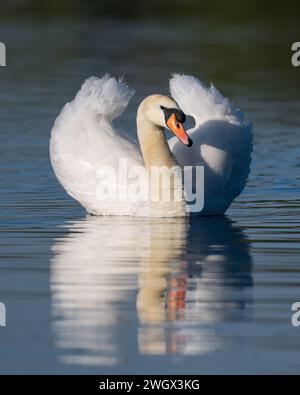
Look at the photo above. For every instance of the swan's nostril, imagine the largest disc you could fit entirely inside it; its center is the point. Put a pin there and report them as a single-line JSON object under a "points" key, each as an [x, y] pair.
{"points": [[190, 143]]}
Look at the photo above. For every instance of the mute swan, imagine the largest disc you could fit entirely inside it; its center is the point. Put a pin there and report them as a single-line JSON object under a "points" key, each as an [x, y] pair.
{"points": [[84, 139]]}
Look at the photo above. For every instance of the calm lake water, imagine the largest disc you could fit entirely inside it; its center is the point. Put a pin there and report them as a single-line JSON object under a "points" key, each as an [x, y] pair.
{"points": [[124, 296]]}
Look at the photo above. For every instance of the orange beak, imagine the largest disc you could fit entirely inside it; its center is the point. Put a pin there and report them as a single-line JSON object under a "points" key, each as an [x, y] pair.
{"points": [[178, 129]]}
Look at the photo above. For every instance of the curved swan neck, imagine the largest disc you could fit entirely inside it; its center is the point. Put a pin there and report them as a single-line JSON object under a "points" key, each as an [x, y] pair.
{"points": [[156, 153], [153, 143]]}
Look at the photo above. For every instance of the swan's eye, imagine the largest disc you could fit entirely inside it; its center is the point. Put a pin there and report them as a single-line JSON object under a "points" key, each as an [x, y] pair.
{"points": [[179, 115]]}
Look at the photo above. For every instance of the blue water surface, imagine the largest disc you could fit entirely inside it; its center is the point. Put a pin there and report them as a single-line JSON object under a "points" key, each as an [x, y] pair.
{"points": [[141, 296]]}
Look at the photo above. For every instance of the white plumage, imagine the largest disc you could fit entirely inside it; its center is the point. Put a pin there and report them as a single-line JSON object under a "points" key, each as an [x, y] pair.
{"points": [[222, 142], [83, 139]]}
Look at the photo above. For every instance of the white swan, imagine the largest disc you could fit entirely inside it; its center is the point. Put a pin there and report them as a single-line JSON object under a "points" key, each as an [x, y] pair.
{"points": [[84, 139]]}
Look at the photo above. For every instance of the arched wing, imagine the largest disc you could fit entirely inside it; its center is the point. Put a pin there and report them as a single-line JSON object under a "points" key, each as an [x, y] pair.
{"points": [[222, 141], [83, 137]]}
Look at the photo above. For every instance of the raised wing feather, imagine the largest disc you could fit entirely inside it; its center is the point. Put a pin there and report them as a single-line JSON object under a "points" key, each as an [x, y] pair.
{"points": [[201, 102], [83, 139], [105, 96], [222, 141]]}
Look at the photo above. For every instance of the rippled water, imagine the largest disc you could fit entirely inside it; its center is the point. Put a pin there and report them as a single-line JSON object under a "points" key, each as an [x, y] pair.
{"points": [[120, 295]]}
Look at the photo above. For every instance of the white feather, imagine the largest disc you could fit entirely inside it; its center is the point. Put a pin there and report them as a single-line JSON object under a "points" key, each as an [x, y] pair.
{"points": [[105, 96], [202, 103], [222, 142], [83, 139]]}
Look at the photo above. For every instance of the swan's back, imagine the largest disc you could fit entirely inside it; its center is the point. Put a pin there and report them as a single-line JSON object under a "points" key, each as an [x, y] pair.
{"points": [[222, 142]]}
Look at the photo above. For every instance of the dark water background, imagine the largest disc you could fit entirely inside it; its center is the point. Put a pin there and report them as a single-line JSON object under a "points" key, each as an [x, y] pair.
{"points": [[119, 295]]}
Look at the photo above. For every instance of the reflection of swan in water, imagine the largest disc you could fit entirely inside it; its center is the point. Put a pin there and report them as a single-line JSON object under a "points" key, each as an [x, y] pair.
{"points": [[184, 276], [209, 285]]}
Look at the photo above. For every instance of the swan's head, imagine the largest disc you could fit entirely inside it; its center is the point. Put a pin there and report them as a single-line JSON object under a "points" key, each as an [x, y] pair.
{"points": [[163, 111]]}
